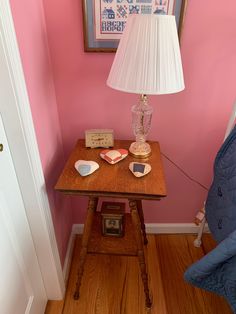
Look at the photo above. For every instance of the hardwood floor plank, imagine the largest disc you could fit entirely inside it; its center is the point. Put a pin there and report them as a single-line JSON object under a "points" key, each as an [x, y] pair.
{"points": [[134, 299], [54, 307], [195, 300], [112, 277], [112, 274], [69, 304], [174, 259], [155, 278], [110, 284]]}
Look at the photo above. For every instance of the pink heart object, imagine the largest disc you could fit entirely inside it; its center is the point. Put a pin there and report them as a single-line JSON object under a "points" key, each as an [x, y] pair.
{"points": [[112, 156]]}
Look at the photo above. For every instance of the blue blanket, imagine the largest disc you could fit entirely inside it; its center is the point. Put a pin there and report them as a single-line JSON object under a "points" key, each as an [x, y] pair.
{"points": [[221, 199], [216, 271]]}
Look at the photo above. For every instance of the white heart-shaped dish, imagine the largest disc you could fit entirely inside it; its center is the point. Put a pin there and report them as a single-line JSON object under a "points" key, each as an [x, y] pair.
{"points": [[139, 169], [86, 167]]}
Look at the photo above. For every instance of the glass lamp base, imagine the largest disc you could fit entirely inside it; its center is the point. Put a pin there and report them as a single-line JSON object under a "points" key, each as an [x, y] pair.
{"points": [[140, 149]]}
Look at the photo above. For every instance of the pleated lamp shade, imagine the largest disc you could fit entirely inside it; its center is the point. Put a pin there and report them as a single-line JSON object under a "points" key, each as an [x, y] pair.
{"points": [[148, 58]]}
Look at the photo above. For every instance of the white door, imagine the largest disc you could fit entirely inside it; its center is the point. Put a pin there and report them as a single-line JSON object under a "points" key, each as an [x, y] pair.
{"points": [[21, 284], [17, 119]]}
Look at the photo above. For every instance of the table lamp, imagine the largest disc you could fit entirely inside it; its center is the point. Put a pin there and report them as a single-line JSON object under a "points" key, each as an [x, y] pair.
{"points": [[147, 62]]}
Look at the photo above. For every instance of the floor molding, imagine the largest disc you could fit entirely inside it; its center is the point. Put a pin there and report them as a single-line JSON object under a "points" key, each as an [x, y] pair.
{"points": [[76, 229], [68, 258], [173, 228], [156, 228]]}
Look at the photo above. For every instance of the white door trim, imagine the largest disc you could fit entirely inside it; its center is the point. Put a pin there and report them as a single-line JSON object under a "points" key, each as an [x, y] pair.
{"points": [[27, 163]]}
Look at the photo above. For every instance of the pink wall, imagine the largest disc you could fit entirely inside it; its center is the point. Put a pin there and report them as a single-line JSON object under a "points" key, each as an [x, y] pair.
{"points": [[189, 126], [32, 38], [68, 94]]}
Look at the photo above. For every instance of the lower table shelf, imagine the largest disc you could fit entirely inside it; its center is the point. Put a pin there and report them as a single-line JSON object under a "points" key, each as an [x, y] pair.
{"points": [[100, 244]]}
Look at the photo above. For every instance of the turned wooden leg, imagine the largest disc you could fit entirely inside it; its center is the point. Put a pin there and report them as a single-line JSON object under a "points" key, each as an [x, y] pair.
{"points": [[140, 213], [92, 205], [140, 253]]}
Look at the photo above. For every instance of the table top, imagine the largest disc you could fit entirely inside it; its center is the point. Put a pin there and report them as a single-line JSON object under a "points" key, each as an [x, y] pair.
{"points": [[113, 180]]}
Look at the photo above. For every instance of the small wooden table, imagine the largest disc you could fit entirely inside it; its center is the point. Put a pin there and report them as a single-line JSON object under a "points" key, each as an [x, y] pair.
{"points": [[114, 181]]}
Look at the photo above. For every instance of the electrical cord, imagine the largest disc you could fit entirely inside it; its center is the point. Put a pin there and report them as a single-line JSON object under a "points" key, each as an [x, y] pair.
{"points": [[185, 173]]}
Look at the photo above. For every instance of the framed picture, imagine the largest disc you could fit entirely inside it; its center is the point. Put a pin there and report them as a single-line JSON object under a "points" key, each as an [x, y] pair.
{"points": [[104, 20], [113, 219], [112, 225]]}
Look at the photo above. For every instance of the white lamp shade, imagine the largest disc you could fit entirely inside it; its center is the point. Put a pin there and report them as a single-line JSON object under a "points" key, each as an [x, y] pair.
{"points": [[148, 58]]}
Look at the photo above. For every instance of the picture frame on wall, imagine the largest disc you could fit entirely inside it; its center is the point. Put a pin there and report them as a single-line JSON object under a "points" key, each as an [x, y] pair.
{"points": [[104, 20]]}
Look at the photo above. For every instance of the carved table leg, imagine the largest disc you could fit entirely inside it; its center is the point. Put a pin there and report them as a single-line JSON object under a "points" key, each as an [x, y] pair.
{"points": [[92, 205], [140, 212], [141, 257]]}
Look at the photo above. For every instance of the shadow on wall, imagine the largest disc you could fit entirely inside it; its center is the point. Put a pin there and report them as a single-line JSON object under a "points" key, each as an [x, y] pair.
{"points": [[60, 204]]}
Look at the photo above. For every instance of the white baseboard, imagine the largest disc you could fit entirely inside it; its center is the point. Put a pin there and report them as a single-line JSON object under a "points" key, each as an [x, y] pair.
{"points": [[76, 229], [68, 258], [173, 228], [155, 228]]}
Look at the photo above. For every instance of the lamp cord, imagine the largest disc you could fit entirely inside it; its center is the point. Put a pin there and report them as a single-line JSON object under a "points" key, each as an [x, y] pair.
{"points": [[185, 173]]}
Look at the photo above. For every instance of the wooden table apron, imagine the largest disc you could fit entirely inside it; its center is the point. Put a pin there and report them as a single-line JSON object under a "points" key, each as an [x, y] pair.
{"points": [[114, 181]]}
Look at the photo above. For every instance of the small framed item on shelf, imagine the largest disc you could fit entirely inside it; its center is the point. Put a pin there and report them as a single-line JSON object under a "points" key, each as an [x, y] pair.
{"points": [[112, 214], [99, 138]]}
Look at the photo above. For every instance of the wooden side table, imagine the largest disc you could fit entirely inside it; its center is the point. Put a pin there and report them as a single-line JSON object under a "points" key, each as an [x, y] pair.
{"points": [[114, 181]]}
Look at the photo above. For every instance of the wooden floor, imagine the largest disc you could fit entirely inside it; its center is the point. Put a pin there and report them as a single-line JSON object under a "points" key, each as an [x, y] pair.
{"points": [[112, 284]]}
